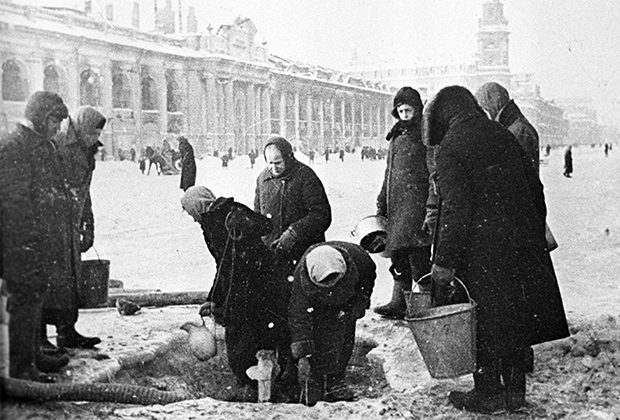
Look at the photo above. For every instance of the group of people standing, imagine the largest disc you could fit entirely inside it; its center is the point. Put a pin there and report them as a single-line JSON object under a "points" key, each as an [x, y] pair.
{"points": [[46, 167], [462, 175]]}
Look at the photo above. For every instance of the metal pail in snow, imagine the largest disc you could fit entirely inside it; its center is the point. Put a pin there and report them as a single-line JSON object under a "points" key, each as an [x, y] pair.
{"points": [[446, 338], [371, 232], [93, 284]]}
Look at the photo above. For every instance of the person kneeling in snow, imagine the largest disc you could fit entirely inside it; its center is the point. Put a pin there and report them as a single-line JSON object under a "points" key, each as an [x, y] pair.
{"points": [[331, 290]]}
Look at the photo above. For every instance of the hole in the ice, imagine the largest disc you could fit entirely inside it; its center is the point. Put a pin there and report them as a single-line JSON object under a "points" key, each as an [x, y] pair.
{"points": [[178, 370]]}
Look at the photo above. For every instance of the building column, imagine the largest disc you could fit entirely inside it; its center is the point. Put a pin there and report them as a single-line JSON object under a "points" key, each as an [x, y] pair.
{"points": [[251, 118], [210, 94], [333, 115], [160, 80], [353, 105], [296, 109], [229, 124], [321, 120], [343, 114], [106, 86], [362, 123], [266, 110], [37, 74], [282, 114], [310, 122]]}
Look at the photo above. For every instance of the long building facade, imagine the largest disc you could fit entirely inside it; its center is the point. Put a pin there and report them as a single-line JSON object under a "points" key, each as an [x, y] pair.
{"points": [[220, 89], [491, 65]]}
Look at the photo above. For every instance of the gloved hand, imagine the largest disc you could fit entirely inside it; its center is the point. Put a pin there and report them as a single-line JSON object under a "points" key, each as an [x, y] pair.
{"points": [[207, 308], [286, 242], [87, 238], [301, 349], [359, 306], [442, 290], [210, 309]]}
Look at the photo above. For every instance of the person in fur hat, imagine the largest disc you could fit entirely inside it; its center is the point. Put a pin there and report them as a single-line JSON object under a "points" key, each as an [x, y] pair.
{"points": [[402, 201], [35, 226]]}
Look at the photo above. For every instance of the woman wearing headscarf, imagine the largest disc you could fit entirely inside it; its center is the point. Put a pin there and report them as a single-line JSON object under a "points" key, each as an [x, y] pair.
{"points": [[78, 143], [402, 200], [491, 233]]}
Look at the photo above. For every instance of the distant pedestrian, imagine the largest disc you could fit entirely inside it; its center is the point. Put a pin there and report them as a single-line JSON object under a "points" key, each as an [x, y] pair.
{"points": [[341, 155], [225, 159], [311, 157], [188, 164], [547, 150], [326, 153], [252, 155], [606, 149], [568, 162]]}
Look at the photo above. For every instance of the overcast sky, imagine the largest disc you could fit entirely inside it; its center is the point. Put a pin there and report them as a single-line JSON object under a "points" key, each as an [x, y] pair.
{"points": [[572, 46]]}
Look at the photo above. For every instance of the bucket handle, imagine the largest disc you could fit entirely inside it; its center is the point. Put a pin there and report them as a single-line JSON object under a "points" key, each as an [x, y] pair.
{"points": [[473, 302]]}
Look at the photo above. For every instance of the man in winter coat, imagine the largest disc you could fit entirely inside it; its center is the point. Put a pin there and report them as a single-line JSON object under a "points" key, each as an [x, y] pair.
{"points": [[293, 197], [495, 100], [188, 164], [402, 200], [491, 232], [35, 235], [331, 291], [78, 143]]}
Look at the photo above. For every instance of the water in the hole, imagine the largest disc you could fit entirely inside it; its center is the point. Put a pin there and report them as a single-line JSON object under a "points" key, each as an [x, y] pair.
{"points": [[179, 370]]}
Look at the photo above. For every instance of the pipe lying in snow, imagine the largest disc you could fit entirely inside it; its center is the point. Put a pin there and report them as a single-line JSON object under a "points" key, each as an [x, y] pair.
{"points": [[117, 393]]}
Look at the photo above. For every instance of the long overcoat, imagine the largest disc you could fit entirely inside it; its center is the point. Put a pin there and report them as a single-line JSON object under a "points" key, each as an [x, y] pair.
{"points": [[491, 231], [36, 213], [297, 199], [513, 119], [188, 165], [404, 192]]}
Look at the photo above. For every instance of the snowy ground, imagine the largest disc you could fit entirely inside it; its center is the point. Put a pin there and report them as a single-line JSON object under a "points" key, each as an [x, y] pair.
{"points": [[153, 244]]}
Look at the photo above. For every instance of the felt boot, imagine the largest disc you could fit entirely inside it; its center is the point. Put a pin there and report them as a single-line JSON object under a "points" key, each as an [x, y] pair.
{"points": [[69, 337], [487, 397], [515, 384], [24, 323], [396, 308]]}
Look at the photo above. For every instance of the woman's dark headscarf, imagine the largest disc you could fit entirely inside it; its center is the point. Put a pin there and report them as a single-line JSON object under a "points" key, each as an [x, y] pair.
{"points": [[450, 105]]}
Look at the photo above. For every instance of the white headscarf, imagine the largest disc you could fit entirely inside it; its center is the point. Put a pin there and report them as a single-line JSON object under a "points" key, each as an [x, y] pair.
{"points": [[323, 261], [196, 201]]}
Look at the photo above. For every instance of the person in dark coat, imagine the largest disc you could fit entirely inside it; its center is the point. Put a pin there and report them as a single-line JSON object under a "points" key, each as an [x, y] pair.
{"points": [[293, 197], [188, 164], [568, 161], [402, 200], [331, 291], [78, 143], [495, 100], [34, 228], [491, 233]]}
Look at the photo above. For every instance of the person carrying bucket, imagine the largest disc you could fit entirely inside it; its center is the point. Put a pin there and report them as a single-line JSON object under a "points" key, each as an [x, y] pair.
{"points": [[491, 233], [402, 201], [78, 143]]}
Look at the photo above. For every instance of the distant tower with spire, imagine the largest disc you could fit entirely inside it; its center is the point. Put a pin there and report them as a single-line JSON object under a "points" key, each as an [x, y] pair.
{"points": [[493, 44]]}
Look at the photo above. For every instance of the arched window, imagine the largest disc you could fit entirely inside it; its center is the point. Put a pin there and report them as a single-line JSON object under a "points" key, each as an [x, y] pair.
{"points": [[149, 94], [173, 95], [89, 88], [121, 91], [51, 79], [14, 82]]}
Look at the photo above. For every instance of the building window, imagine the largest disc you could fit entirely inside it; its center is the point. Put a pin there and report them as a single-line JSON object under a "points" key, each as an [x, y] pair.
{"points": [[89, 88], [149, 94], [14, 82], [109, 12], [135, 15], [173, 96], [51, 79], [121, 92]]}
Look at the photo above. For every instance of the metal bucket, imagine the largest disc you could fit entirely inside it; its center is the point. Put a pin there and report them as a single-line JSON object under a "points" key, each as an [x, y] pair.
{"points": [[93, 284], [416, 299], [371, 232], [446, 338]]}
